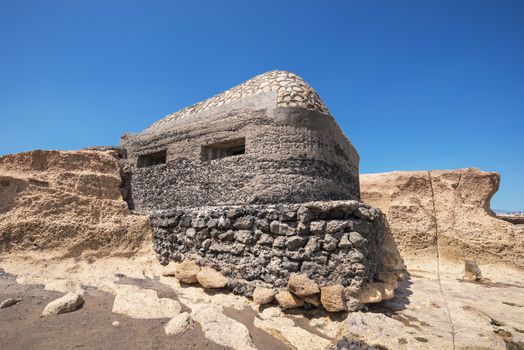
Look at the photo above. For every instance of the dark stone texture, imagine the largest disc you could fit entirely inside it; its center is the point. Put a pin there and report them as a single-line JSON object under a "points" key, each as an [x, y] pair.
{"points": [[252, 257]]}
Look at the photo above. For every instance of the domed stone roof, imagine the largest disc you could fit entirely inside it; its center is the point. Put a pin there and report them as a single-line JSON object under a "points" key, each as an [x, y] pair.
{"points": [[291, 91]]}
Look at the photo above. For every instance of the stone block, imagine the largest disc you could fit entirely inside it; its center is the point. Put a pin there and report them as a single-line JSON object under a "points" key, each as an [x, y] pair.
{"points": [[187, 271], [262, 295], [332, 298], [288, 301], [210, 278], [301, 285]]}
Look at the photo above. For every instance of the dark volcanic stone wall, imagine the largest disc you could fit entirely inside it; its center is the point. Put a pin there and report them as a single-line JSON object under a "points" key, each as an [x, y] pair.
{"points": [[234, 180], [336, 242]]}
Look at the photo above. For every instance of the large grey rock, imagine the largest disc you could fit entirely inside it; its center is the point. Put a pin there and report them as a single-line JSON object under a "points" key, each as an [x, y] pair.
{"points": [[332, 298], [178, 324], [288, 301], [286, 229], [187, 271], [222, 329], [245, 236], [301, 285], [210, 278], [9, 302], [472, 271], [68, 303], [317, 227], [142, 303], [356, 239], [263, 295]]}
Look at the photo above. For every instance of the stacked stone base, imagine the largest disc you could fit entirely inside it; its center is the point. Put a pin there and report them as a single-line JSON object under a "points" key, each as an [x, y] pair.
{"points": [[340, 249]]}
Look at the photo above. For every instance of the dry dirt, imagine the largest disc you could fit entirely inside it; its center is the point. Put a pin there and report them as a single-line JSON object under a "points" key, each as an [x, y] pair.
{"points": [[69, 202]]}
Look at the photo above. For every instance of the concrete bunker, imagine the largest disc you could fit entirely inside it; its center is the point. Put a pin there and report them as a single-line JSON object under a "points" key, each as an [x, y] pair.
{"points": [[260, 184], [276, 140]]}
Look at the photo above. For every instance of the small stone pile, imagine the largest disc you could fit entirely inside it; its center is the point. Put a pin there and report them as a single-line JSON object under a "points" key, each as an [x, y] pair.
{"points": [[319, 253]]}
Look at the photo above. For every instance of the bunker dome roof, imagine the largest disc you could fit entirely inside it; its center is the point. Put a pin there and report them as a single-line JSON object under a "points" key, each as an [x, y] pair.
{"points": [[290, 90]]}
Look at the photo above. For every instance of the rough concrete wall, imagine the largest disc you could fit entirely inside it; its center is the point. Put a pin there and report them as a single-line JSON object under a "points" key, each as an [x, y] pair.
{"points": [[229, 181], [295, 155], [337, 242]]}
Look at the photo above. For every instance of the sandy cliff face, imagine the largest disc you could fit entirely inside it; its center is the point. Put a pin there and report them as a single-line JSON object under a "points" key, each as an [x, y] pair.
{"points": [[447, 213], [69, 202]]}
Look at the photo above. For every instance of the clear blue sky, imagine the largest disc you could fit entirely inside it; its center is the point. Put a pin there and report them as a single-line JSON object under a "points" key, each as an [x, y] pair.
{"points": [[414, 84]]}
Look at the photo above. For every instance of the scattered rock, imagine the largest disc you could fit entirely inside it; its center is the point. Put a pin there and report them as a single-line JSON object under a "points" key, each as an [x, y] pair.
{"points": [[454, 203], [187, 271], [143, 303], [287, 300], [301, 285], [221, 329], [370, 293], [178, 324], [312, 299], [68, 303], [9, 302], [266, 239], [472, 271], [332, 298], [168, 270], [349, 344], [262, 295], [244, 223], [294, 337], [210, 278], [115, 324]]}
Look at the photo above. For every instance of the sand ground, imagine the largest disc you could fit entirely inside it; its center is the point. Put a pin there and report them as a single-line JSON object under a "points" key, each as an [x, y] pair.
{"points": [[434, 308]]}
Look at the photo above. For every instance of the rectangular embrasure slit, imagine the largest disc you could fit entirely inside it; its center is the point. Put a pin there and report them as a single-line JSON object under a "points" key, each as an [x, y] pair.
{"points": [[151, 159], [233, 147]]}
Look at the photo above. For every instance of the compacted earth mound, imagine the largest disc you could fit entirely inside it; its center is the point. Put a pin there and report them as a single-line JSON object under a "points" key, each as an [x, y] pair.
{"points": [[445, 213], [68, 202]]}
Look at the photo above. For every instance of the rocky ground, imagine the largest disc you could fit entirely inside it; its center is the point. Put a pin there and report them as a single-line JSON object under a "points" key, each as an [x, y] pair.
{"points": [[23, 327], [428, 311]]}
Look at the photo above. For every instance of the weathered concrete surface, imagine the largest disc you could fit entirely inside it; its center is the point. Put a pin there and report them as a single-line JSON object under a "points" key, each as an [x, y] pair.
{"points": [[69, 202], [445, 213], [288, 149]]}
